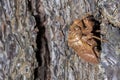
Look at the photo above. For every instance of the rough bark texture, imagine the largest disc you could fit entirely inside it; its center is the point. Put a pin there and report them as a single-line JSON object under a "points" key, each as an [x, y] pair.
{"points": [[19, 41]]}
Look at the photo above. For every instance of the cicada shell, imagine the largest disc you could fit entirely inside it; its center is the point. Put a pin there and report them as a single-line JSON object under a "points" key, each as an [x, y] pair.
{"points": [[82, 44]]}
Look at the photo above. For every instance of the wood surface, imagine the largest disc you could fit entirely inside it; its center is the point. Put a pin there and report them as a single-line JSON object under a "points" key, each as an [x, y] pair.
{"points": [[33, 40]]}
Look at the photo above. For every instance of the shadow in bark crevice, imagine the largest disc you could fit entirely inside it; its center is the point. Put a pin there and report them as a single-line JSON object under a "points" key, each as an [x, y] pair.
{"points": [[97, 27], [42, 52]]}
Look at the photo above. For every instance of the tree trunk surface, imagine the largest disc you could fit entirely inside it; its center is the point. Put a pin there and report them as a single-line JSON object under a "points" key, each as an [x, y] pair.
{"points": [[34, 46]]}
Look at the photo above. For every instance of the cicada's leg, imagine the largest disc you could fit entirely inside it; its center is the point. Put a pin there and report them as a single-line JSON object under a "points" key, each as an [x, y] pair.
{"points": [[97, 53], [89, 40], [99, 39]]}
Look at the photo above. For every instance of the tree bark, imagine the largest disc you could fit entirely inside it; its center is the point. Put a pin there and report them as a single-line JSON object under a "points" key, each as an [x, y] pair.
{"points": [[33, 40], [17, 40]]}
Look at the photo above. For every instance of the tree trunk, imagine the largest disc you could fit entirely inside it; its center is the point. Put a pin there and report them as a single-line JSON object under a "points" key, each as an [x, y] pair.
{"points": [[33, 40], [17, 40]]}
